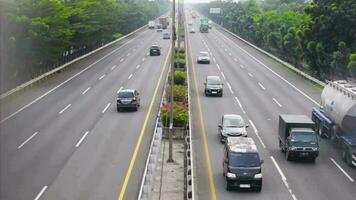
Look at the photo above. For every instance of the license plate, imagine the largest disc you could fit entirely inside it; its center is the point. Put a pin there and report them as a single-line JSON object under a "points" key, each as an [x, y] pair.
{"points": [[304, 154], [213, 92], [245, 185]]}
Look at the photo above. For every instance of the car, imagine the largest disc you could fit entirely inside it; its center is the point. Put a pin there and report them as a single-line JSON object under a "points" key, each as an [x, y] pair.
{"points": [[242, 166], [192, 30], [190, 23], [155, 50], [166, 35], [213, 86], [231, 125], [128, 98], [159, 30], [203, 57]]}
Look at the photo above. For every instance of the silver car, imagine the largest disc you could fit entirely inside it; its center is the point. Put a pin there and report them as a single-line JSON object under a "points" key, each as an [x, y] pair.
{"points": [[203, 57], [232, 125]]}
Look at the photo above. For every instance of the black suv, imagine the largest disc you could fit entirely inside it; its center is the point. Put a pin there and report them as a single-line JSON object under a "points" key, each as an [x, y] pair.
{"points": [[155, 50], [242, 164], [213, 86], [128, 98]]}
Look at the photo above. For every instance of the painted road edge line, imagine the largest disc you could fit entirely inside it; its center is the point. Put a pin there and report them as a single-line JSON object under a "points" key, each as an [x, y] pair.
{"points": [[81, 139], [41, 193], [106, 107], [28, 139], [342, 170]]}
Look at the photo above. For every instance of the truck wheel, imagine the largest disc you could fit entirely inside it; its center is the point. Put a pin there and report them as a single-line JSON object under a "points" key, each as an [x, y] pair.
{"points": [[281, 146]]}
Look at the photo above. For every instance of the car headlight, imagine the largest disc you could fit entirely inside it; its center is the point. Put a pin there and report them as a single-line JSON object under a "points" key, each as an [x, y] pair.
{"points": [[292, 148], [258, 176], [315, 148], [230, 175]]}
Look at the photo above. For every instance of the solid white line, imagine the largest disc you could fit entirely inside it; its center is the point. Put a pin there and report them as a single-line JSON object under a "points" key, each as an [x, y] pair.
{"points": [[113, 67], [81, 139], [242, 66], [33, 135], [218, 66], [238, 101], [101, 77], [256, 132], [279, 169], [138, 66], [214, 59], [261, 86], [86, 90], [64, 109], [279, 76], [130, 76], [41, 192], [228, 84], [342, 170], [107, 106], [275, 100], [120, 89], [223, 75], [250, 74]]}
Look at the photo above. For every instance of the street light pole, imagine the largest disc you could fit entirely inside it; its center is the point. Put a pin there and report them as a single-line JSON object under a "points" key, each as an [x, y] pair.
{"points": [[170, 155]]}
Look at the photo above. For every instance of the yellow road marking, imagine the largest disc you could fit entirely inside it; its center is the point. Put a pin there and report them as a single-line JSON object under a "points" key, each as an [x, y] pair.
{"points": [[139, 141], [203, 132]]}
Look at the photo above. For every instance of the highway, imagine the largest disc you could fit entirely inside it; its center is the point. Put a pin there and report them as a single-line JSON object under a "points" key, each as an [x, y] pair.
{"points": [[64, 139], [259, 89]]}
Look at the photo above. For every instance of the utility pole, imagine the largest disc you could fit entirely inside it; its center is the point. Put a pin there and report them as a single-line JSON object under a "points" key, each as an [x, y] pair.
{"points": [[170, 155]]}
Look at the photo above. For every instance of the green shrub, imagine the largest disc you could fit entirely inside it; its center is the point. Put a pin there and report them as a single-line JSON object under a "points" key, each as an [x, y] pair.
{"points": [[179, 78], [117, 35], [179, 92], [180, 115]]}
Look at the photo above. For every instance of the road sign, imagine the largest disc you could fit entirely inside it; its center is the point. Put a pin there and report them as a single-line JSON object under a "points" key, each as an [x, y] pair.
{"points": [[215, 10]]}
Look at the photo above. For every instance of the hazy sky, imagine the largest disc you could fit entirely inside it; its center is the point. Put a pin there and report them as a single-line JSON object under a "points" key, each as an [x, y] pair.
{"points": [[196, 1]]}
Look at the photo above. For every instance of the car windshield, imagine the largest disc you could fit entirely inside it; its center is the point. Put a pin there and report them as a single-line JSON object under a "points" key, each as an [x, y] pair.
{"points": [[233, 122], [244, 160], [154, 47], [213, 81], [303, 137], [126, 95], [205, 54]]}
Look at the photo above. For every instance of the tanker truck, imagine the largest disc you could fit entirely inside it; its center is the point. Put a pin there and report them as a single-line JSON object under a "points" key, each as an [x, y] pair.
{"points": [[336, 117]]}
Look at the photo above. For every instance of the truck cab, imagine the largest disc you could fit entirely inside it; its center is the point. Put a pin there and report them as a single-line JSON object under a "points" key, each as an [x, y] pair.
{"points": [[242, 166], [297, 137]]}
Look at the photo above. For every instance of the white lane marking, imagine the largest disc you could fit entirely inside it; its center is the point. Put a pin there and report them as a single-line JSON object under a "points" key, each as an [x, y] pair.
{"points": [[263, 88], [121, 59], [138, 66], [211, 54], [218, 66], [143, 59], [250, 74], [106, 107], [275, 100], [228, 85], [86, 90], [223, 75], [256, 132], [225, 49], [81, 139], [113, 67], [64, 109], [128, 54], [28, 139], [41, 193], [279, 76], [238, 101], [214, 59], [101, 77], [130, 76], [148, 54], [120, 89], [230, 54], [342, 170], [242, 66], [235, 59]]}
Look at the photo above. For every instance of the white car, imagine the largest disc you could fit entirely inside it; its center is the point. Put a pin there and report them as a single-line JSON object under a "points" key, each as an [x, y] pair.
{"points": [[232, 125], [203, 57], [190, 23], [192, 30], [166, 36]]}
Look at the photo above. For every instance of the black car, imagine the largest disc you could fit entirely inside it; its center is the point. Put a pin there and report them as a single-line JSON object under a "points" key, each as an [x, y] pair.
{"points": [[242, 164], [213, 86], [155, 50], [128, 98]]}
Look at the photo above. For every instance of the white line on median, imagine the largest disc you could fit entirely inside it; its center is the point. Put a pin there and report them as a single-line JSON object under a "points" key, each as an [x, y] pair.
{"points": [[261, 86], [101, 77], [41, 192], [86, 90], [130, 76], [256, 132], [223, 75], [138, 66], [228, 85], [33, 135], [218, 66], [107, 106], [275, 100], [238, 101], [64, 109], [113, 67], [214, 59], [81, 139], [342, 170]]}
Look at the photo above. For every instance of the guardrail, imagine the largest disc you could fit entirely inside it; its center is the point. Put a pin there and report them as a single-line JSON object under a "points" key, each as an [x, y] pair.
{"points": [[53, 71]]}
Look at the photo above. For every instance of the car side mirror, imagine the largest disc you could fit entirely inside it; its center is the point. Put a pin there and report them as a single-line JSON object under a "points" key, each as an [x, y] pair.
{"points": [[219, 126], [262, 161], [246, 125]]}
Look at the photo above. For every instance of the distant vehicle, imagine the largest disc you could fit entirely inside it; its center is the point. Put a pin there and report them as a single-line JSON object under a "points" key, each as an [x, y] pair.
{"points": [[164, 22], [203, 57], [192, 30], [151, 24], [158, 26], [210, 24], [232, 125], [159, 30], [213, 86], [127, 98], [155, 50], [297, 137], [336, 119], [190, 23], [242, 166], [166, 36]]}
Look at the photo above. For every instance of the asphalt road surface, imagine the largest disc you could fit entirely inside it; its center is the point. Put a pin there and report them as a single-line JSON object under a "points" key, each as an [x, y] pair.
{"points": [[70, 142], [259, 89]]}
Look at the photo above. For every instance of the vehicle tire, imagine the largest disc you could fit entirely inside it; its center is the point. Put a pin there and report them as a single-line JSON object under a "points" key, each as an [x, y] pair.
{"points": [[313, 159], [258, 188], [281, 146], [136, 108], [118, 109], [347, 158], [333, 133], [228, 188], [220, 95], [288, 157]]}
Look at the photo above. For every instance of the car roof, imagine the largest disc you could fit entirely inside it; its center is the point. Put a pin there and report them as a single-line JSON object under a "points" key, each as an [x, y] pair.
{"points": [[232, 116], [213, 77], [203, 52], [127, 90], [241, 144], [154, 45]]}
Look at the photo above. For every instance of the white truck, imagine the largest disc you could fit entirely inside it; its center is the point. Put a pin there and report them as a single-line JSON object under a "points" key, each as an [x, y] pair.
{"points": [[336, 117], [151, 24]]}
